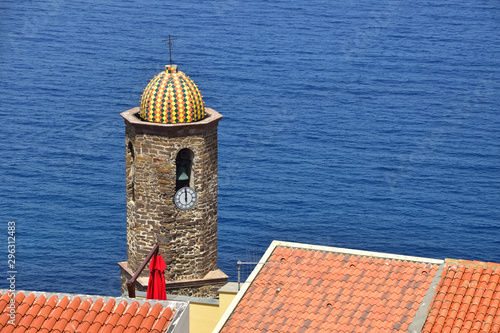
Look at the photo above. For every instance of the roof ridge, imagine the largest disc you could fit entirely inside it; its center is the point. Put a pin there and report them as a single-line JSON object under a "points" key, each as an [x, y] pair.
{"points": [[473, 263], [362, 253], [93, 298]]}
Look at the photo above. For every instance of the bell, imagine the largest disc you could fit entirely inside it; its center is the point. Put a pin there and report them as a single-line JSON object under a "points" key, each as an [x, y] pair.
{"points": [[181, 174]]}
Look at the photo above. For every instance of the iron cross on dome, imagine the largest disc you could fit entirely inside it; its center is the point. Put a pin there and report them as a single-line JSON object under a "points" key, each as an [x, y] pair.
{"points": [[169, 43]]}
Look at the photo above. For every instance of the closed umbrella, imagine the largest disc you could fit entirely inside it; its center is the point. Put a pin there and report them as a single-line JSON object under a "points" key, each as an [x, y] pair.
{"points": [[156, 284]]}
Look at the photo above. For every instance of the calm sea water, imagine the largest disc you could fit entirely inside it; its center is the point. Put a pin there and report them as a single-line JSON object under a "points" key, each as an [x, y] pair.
{"points": [[370, 125]]}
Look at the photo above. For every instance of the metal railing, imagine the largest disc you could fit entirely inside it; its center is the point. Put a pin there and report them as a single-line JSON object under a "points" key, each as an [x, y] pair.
{"points": [[131, 281]]}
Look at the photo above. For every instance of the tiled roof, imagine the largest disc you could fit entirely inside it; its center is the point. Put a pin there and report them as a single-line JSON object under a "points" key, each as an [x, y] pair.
{"points": [[303, 288], [467, 299], [42, 312]]}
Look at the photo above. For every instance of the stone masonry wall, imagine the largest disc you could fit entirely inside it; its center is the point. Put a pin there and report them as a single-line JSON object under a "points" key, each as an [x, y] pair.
{"points": [[187, 239]]}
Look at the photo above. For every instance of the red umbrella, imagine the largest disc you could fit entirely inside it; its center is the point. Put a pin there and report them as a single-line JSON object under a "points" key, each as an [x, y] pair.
{"points": [[156, 284]]}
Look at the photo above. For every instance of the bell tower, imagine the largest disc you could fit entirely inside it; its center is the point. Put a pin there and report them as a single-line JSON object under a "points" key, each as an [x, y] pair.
{"points": [[171, 185]]}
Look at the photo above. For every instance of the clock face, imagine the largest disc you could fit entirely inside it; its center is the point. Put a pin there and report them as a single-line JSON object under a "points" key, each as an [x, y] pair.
{"points": [[185, 198]]}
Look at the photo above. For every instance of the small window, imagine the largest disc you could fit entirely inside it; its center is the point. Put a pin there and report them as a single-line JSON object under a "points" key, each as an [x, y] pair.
{"points": [[184, 164]]}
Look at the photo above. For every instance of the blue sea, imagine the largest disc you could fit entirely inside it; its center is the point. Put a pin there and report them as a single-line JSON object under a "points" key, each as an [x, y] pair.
{"points": [[371, 125]]}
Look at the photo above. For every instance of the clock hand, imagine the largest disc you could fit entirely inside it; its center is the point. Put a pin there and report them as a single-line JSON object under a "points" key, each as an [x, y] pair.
{"points": [[185, 194]]}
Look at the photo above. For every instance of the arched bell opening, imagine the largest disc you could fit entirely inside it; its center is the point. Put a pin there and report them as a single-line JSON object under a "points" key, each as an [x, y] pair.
{"points": [[184, 165]]}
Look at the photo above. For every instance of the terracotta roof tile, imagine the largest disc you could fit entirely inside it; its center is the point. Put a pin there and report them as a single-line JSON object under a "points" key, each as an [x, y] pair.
{"points": [[4, 318], [66, 314], [8, 329], [329, 290], [22, 305], [164, 317], [104, 314], [150, 319], [90, 315], [136, 321], [4, 301], [44, 313], [55, 314], [36, 313], [466, 299], [127, 316], [79, 314], [5, 309]]}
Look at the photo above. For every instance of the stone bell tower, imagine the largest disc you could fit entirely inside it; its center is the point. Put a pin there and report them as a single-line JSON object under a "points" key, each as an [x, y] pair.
{"points": [[171, 185]]}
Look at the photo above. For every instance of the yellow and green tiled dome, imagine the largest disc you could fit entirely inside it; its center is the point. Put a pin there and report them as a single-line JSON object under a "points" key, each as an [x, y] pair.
{"points": [[171, 97]]}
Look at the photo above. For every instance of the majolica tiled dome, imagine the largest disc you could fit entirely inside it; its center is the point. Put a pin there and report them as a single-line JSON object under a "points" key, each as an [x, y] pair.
{"points": [[171, 97]]}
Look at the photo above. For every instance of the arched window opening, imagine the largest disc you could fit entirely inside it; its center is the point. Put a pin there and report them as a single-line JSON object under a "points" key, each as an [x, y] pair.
{"points": [[184, 164], [131, 158]]}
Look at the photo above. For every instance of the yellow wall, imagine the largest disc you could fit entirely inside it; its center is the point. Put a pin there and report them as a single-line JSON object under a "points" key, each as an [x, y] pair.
{"points": [[204, 317], [224, 300]]}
